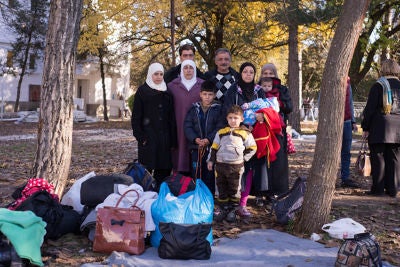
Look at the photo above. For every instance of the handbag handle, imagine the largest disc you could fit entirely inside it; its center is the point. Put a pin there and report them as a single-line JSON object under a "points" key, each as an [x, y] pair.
{"points": [[364, 145], [124, 194]]}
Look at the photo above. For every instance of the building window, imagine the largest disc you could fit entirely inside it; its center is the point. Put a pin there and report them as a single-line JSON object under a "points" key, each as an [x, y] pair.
{"points": [[32, 61], [34, 93], [9, 62]]}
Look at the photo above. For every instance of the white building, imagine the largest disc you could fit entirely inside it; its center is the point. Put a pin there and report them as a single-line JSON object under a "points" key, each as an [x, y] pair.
{"points": [[88, 92]]}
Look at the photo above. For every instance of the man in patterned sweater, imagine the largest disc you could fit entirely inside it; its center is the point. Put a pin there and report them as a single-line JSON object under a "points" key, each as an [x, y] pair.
{"points": [[223, 76]]}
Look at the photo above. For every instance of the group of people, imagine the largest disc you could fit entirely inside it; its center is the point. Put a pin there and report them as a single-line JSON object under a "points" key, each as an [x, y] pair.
{"points": [[230, 131], [193, 123]]}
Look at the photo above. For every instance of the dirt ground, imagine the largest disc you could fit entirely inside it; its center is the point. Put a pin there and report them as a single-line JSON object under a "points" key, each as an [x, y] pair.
{"points": [[108, 147]]}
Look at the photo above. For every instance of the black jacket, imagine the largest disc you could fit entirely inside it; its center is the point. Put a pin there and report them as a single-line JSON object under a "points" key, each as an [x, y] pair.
{"points": [[382, 128], [192, 126], [286, 100], [154, 127]]}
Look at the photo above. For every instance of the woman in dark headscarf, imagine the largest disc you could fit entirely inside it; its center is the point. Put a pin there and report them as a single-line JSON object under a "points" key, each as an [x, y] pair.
{"points": [[245, 92]]}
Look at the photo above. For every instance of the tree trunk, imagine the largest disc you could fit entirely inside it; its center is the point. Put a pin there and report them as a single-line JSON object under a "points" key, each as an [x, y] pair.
{"points": [[294, 71], [172, 3], [103, 84], [53, 154], [23, 70], [321, 183]]}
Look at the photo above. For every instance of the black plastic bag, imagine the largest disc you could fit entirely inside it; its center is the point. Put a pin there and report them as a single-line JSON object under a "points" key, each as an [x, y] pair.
{"points": [[184, 241]]}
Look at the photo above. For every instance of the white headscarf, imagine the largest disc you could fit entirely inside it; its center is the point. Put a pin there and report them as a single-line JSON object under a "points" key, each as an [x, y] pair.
{"points": [[188, 83], [153, 68]]}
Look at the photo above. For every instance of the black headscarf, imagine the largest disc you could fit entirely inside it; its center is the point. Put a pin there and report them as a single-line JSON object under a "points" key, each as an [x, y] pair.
{"points": [[247, 88]]}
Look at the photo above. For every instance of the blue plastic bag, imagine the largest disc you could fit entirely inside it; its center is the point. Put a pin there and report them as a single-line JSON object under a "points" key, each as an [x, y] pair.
{"points": [[190, 208]]}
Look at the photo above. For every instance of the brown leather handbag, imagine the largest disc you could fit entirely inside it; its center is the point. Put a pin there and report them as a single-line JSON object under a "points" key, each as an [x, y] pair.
{"points": [[363, 163], [120, 229]]}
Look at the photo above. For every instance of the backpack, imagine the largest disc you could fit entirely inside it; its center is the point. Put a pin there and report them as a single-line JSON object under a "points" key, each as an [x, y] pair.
{"points": [[360, 251], [60, 219], [141, 176], [179, 184], [286, 205]]}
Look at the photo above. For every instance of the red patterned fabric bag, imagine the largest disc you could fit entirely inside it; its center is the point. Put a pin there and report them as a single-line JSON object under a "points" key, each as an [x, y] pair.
{"points": [[290, 145]]}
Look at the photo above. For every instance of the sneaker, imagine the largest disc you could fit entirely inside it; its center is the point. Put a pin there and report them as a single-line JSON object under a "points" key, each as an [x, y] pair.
{"points": [[349, 183], [259, 202], [243, 212], [231, 216]]}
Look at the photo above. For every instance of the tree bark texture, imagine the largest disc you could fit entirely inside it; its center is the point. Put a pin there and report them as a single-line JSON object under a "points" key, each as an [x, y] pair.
{"points": [[53, 154], [103, 84], [323, 174], [294, 74]]}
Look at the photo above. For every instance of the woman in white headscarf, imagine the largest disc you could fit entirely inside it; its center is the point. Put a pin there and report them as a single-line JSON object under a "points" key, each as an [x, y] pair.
{"points": [[186, 90], [153, 123]]}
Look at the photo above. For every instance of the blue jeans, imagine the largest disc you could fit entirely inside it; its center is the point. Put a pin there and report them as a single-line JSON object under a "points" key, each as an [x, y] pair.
{"points": [[346, 150]]}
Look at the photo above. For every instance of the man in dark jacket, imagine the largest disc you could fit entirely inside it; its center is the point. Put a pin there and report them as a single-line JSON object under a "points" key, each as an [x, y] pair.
{"points": [[223, 76], [186, 51]]}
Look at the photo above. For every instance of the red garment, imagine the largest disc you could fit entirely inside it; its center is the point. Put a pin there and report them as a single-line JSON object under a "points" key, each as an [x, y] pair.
{"points": [[32, 186], [290, 145], [276, 83], [347, 107], [265, 134]]}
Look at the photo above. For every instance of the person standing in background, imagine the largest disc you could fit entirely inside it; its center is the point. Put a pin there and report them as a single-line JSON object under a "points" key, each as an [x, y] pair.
{"points": [[186, 51], [381, 125], [349, 125]]}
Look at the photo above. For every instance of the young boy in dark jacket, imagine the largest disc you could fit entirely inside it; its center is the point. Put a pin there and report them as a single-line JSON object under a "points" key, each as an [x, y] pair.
{"points": [[201, 124]]}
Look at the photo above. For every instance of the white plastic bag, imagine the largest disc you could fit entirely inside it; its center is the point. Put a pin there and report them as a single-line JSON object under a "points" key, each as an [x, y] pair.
{"points": [[343, 228]]}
